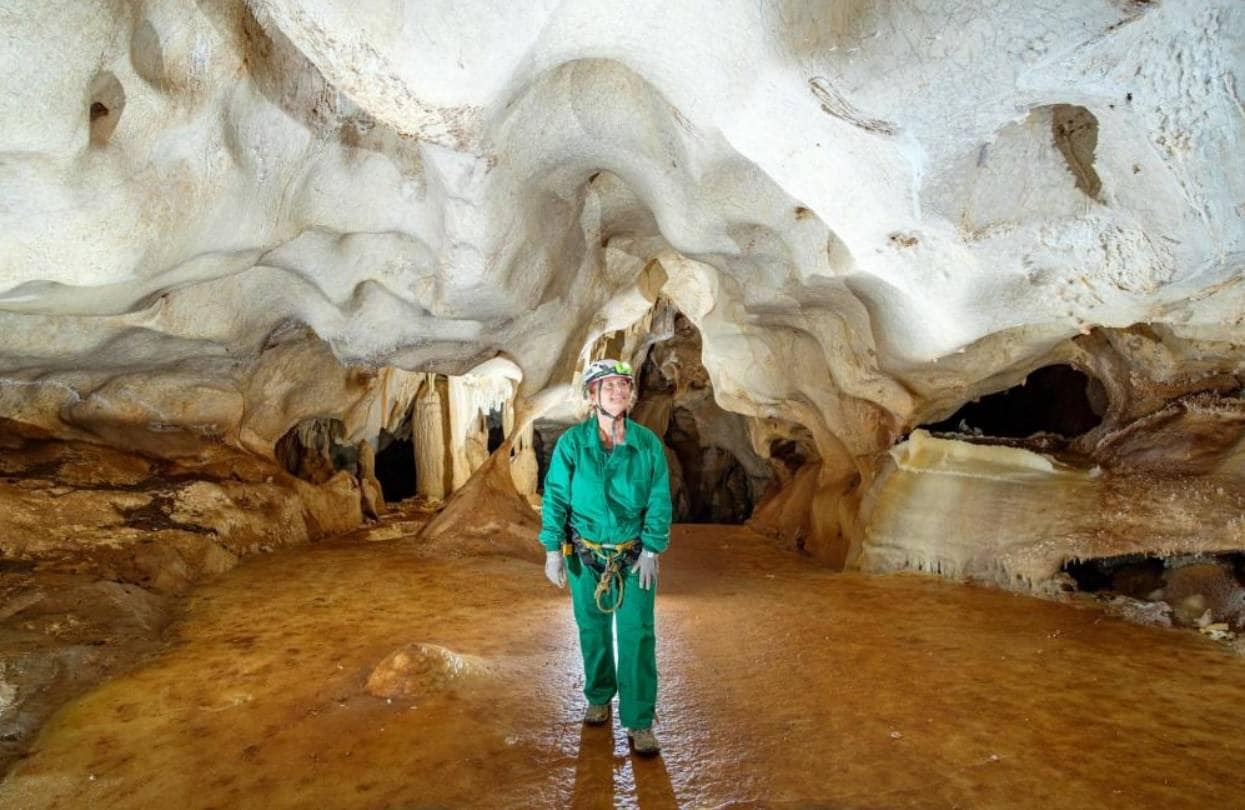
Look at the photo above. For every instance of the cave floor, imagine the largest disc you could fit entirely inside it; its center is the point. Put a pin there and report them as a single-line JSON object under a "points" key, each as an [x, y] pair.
{"points": [[783, 684]]}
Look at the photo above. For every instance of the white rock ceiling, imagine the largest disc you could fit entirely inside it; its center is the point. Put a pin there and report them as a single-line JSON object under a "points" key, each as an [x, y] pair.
{"points": [[862, 205]]}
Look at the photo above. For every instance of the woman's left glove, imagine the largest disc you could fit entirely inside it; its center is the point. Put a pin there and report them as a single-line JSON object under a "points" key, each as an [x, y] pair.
{"points": [[647, 568]]}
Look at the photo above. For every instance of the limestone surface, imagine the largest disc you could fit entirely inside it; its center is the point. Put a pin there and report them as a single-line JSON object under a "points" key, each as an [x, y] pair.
{"points": [[222, 222]]}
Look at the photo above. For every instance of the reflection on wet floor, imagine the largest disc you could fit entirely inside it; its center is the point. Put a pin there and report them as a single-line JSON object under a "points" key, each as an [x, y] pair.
{"points": [[783, 684]]}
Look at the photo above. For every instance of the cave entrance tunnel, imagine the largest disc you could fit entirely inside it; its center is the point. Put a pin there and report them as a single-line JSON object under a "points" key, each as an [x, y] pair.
{"points": [[708, 483], [715, 475], [395, 463], [424, 454], [315, 449], [494, 426], [714, 486], [1194, 590], [545, 435], [1056, 399]]}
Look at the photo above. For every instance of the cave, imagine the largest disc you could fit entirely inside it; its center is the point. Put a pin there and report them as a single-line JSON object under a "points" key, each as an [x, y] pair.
{"points": [[495, 429], [298, 297], [544, 438], [791, 451], [718, 477], [1135, 575], [716, 485], [395, 464], [1057, 399], [1199, 590], [313, 451]]}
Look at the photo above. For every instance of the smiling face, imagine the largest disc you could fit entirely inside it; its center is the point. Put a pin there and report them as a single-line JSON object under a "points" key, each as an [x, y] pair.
{"points": [[613, 394]]}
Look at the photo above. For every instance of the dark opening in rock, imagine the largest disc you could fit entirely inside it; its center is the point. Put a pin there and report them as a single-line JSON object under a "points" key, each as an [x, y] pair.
{"points": [[1192, 590], [312, 450], [105, 104], [496, 430], [1135, 575], [718, 477], [1054, 399], [791, 453], [683, 437], [395, 465], [726, 496], [544, 437]]}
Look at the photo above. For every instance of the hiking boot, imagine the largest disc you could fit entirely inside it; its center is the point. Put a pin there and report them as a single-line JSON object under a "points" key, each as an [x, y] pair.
{"points": [[644, 742], [596, 715]]}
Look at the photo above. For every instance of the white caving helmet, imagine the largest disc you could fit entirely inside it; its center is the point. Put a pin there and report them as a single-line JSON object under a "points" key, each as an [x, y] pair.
{"points": [[599, 370], [604, 369]]}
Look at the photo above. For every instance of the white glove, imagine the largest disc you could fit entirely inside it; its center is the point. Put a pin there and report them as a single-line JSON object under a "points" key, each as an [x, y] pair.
{"points": [[647, 566], [555, 568]]}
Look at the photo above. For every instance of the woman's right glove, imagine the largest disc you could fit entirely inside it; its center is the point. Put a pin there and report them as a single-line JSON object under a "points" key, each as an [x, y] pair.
{"points": [[646, 566], [555, 568]]}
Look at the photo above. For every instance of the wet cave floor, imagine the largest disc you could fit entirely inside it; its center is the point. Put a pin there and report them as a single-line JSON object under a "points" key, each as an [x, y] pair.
{"points": [[783, 684]]}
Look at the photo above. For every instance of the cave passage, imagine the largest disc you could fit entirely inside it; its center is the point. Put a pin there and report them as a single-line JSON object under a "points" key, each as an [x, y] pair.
{"points": [[715, 475], [1135, 575], [395, 465], [1190, 591], [1055, 399], [312, 450], [716, 484], [496, 430], [544, 438]]}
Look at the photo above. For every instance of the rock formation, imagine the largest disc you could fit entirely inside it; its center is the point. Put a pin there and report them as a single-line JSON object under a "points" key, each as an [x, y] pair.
{"points": [[269, 230]]}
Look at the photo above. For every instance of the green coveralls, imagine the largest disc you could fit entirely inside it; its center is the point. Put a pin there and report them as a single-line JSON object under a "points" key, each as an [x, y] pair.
{"points": [[611, 497]]}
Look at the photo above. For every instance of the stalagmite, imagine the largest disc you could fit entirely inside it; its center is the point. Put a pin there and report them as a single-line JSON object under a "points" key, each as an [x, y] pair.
{"points": [[487, 516], [430, 429], [523, 466], [373, 502]]}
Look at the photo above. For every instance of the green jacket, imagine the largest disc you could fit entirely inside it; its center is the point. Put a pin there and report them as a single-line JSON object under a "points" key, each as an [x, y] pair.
{"points": [[608, 497]]}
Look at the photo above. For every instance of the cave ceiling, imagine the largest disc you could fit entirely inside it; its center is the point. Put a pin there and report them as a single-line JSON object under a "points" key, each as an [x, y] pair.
{"points": [[872, 211]]}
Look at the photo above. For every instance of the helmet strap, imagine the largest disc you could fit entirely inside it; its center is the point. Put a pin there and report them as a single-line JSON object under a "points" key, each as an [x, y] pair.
{"points": [[614, 418]]}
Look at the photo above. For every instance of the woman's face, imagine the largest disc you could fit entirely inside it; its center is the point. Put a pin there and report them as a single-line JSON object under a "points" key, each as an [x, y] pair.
{"points": [[614, 393]]}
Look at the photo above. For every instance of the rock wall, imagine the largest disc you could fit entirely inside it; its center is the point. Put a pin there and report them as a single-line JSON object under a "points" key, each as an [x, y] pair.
{"points": [[223, 219]]}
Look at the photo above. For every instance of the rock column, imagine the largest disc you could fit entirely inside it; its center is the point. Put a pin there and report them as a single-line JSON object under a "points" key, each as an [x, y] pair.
{"points": [[429, 430]]}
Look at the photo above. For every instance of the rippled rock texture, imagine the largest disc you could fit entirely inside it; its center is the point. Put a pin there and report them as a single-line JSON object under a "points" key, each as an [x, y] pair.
{"points": [[867, 210]]}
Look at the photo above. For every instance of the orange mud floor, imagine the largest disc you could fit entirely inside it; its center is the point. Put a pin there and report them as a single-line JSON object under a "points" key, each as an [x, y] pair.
{"points": [[783, 685]]}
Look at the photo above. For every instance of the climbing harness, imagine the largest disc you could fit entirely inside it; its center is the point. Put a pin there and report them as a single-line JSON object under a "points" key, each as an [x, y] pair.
{"points": [[612, 577], [610, 562]]}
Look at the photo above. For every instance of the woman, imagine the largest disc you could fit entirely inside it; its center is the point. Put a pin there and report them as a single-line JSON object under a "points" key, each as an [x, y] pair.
{"points": [[606, 517]]}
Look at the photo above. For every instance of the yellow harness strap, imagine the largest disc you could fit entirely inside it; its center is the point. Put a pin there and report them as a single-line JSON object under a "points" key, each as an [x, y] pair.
{"points": [[611, 556]]}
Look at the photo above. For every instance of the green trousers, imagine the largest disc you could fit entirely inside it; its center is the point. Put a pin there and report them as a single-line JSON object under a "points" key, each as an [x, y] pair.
{"points": [[634, 679]]}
